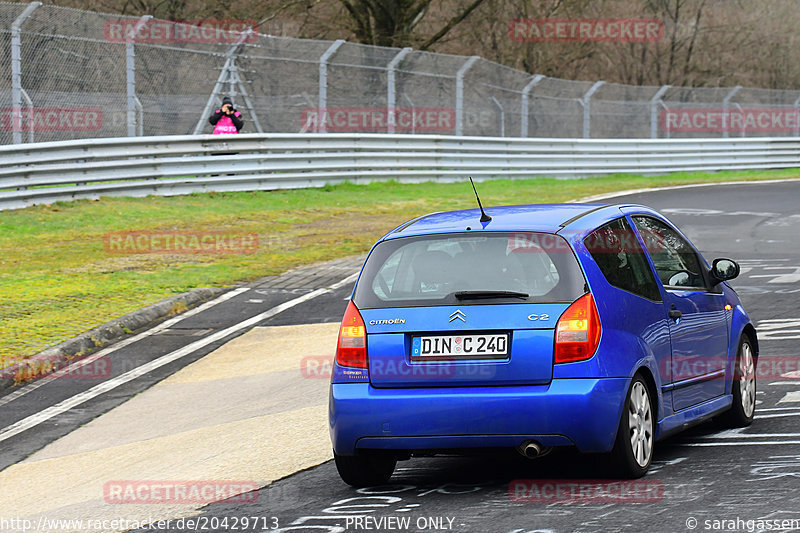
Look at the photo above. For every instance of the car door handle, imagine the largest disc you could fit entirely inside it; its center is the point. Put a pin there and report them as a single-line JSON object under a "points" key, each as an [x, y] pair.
{"points": [[674, 313]]}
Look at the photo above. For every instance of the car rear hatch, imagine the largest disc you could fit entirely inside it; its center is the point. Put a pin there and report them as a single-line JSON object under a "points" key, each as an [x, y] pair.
{"points": [[463, 309]]}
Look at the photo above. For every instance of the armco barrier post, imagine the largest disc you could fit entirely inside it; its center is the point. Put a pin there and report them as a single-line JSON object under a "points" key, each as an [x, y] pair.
{"points": [[16, 71]]}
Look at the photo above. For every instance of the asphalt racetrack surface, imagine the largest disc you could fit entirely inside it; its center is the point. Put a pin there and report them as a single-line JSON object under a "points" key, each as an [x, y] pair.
{"points": [[705, 479]]}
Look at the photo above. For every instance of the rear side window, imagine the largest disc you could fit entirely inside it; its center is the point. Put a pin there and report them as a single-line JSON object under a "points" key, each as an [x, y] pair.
{"points": [[621, 259], [429, 270]]}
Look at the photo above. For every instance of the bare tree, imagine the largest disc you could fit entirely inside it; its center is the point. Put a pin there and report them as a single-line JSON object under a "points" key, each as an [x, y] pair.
{"points": [[682, 20], [705, 42], [699, 39], [490, 34], [394, 22]]}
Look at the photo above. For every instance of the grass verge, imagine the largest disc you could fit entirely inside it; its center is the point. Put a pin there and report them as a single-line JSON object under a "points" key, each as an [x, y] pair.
{"points": [[58, 278]]}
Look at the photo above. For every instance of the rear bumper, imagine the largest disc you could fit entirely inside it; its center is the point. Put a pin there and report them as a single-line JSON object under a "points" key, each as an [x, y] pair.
{"points": [[580, 412]]}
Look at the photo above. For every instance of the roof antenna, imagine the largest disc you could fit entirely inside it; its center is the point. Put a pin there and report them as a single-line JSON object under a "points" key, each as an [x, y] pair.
{"points": [[484, 216]]}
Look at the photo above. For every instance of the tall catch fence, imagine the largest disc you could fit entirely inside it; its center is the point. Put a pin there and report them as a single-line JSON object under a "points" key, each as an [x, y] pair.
{"points": [[72, 74]]}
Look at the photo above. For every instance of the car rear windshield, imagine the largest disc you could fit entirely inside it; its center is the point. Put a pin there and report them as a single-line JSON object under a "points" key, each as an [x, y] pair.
{"points": [[465, 268]]}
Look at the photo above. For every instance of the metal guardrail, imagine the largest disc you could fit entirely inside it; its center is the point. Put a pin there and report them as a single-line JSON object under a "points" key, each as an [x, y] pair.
{"points": [[43, 173]]}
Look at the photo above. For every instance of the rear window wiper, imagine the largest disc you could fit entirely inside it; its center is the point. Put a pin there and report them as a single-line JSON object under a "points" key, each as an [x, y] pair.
{"points": [[481, 295]]}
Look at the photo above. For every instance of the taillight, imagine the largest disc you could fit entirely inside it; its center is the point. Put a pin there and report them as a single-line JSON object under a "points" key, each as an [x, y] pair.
{"points": [[352, 347], [577, 331]]}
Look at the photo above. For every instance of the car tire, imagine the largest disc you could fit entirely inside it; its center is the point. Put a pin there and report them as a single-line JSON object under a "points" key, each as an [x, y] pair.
{"points": [[365, 470], [743, 389], [633, 448]]}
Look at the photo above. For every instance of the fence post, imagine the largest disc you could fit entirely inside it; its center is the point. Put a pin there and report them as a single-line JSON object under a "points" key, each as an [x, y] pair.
{"points": [[502, 116], [322, 113], [587, 108], [797, 117], [29, 103], [744, 125], [130, 73], [654, 101], [725, 115], [139, 116], [391, 88], [16, 72], [460, 93], [525, 104], [413, 108]]}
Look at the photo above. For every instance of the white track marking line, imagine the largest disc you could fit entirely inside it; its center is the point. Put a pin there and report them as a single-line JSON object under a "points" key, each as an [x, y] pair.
{"points": [[741, 443], [71, 367], [777, 415], [754, 436], [605, 196], [791, 397], [69, 403]]}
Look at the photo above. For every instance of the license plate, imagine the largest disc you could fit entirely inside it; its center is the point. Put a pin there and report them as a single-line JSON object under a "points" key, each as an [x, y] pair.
{"points": [[460, 346]]}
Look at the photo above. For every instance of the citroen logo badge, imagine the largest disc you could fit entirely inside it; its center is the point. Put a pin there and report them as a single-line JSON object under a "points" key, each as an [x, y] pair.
{"points": [[458, 314]]}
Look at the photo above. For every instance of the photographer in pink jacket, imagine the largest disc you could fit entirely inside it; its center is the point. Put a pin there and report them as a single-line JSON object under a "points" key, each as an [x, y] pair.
{"points": [[226, 120]]}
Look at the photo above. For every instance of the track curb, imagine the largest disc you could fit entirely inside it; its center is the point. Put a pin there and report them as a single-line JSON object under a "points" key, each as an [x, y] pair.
{"points": [[306, 278], [60, 355]]}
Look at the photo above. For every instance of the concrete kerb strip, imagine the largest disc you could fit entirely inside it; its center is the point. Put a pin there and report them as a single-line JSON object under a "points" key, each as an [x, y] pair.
{"points": [[62, 354]]}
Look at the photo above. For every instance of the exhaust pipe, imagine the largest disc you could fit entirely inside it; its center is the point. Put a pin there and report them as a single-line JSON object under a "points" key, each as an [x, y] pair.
{"points": [[532, 449]]}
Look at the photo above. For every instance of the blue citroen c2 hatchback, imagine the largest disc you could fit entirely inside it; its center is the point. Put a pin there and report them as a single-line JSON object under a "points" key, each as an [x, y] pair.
{"points": [[596, 327]]}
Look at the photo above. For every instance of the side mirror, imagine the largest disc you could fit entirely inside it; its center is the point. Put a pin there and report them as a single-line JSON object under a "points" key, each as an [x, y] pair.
{"points": [[679, 279], [723, 270]]}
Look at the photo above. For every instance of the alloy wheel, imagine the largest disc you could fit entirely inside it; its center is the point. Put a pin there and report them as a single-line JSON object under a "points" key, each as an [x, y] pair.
{"points": [[747, 379], [640, 422]]}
